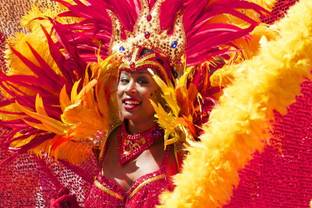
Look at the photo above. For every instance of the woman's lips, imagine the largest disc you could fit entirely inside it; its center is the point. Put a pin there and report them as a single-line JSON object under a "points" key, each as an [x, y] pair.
{"points": [[130, 104]]}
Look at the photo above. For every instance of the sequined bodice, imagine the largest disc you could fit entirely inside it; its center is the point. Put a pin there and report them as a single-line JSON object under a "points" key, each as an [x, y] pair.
{"points": [[143, 193]]}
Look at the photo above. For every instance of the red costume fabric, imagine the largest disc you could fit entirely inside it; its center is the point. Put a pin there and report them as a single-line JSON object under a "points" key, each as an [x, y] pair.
{"points": [[281, 176], [144, 192]]}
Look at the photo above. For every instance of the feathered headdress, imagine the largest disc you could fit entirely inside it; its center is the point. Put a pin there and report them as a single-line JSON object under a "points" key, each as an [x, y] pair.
{"points": [[58, 86]]}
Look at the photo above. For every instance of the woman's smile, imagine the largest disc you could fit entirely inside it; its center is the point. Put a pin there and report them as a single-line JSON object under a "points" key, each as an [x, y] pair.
{"points": [[134, 91], [131, 104]]}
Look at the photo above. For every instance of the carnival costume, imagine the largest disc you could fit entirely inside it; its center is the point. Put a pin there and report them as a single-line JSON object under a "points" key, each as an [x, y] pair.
{"points": [[59, 96]]}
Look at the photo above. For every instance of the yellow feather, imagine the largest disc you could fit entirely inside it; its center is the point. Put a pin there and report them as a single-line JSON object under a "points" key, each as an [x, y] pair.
{"points": [[38, 41], [250, 48], [74, 93], [10, 108], [30, 20], [268, 4], [168, 93], [90, 102], [39, 105], [38, 126], [87, 88], [48, 123], [20, 143], [78, 152], [239, 125], [64, 98], [75, 115], [182, 81]]}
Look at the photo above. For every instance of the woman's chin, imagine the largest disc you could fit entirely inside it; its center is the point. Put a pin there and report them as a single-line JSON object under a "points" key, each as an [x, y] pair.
{"points": [[129, 115], [131, 108]]}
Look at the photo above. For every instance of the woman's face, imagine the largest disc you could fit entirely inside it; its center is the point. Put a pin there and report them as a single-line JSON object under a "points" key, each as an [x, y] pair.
{"points": [[134, 91]]}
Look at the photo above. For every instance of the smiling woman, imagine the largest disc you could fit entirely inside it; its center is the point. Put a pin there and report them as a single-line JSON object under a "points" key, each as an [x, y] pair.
{"points": [[134, 82], [158, 54], [134, 91], [135, 167], [136, 87]]}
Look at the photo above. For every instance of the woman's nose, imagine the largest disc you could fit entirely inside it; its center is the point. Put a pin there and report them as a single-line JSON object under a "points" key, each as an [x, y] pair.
{"points": [[131, 88]]}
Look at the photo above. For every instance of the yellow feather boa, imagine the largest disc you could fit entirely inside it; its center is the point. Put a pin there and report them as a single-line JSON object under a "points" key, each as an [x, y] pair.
{"points": [[239, 125]]}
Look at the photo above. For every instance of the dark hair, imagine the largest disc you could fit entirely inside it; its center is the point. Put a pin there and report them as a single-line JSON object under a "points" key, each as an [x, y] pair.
{"points": [[145, 51]]}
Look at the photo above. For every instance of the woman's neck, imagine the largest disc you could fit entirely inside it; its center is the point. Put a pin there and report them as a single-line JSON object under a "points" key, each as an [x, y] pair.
{"points": [[135, 127]]}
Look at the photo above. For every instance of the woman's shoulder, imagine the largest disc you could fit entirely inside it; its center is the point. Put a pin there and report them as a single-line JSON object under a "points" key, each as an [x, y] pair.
{"points": [[113, 132], [106, 140]]}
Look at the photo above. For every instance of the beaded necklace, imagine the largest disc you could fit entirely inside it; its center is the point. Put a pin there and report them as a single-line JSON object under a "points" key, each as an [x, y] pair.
{"points": [[132, 145]]}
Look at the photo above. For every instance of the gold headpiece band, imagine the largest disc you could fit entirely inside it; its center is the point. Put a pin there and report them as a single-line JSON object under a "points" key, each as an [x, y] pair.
{"points": [[147, 33]]}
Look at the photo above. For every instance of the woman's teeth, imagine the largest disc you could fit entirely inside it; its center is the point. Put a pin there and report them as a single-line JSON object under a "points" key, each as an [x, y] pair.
{"points": [[130, 105], [131, 102]]}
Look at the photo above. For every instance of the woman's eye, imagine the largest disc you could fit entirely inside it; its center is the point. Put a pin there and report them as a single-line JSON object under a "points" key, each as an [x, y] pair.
{"points": [[142, 80], [124, 80]]}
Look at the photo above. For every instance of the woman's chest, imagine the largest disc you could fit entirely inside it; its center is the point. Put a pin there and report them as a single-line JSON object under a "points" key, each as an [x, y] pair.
{"points": [[147, 162]]}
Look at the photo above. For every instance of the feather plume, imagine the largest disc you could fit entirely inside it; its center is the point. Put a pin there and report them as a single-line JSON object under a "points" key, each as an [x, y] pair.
{"points": [[46, 105], [239, 125]]}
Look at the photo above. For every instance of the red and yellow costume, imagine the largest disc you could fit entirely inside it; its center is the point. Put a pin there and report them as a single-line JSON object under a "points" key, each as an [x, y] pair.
{"points": [[204, 52]]}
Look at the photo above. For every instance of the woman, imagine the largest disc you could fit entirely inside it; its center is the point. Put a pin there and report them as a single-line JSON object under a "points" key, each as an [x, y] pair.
{"points": [[136, 168], [139, 156]]}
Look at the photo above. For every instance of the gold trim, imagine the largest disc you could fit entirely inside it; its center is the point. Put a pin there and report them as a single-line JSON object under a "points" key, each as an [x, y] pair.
{"points": [[170, 45], [146, 57], [107, 190], [161, 68], [141, 185]]}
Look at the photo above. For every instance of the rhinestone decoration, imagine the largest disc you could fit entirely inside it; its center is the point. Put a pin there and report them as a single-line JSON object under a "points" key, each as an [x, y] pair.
{"points": [[147, 35], [149, 17], [131, 146], [172, 46], [122, 49], [132, 65]]}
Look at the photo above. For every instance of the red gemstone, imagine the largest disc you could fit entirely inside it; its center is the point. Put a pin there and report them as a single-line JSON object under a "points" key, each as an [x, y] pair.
{"points": [[132, 66], [147, 35], [149, 17]]}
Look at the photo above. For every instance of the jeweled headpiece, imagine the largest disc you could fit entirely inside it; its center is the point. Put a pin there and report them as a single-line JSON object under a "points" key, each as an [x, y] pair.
{"points": [[147, 33], [198, 29], [60, 86]]}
